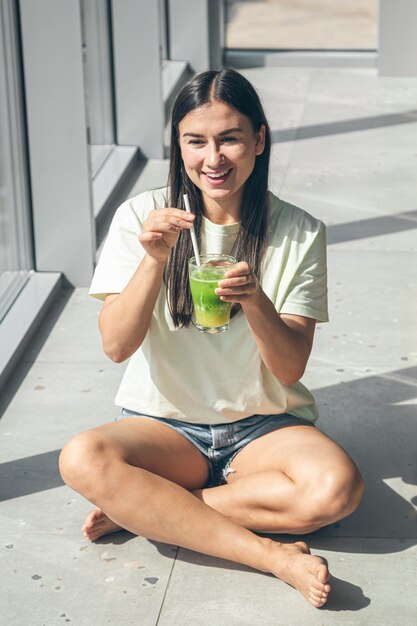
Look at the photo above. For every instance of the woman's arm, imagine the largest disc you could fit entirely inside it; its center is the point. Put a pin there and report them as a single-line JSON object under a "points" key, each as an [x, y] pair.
{"points": [[284, 341], [125, 317]]}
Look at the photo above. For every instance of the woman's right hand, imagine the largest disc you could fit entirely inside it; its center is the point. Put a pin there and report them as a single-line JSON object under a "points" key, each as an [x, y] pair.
{"points": [[161, 229]]}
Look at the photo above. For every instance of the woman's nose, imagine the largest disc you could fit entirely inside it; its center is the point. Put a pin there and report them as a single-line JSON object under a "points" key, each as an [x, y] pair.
{"points": [[214, 156]]}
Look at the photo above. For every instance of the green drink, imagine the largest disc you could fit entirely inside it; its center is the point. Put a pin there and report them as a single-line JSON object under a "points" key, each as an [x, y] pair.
{"points": [[212, 315]]}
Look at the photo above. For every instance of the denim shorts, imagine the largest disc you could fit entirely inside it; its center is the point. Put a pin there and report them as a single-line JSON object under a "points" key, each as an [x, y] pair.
{"points": [[220, 443]]}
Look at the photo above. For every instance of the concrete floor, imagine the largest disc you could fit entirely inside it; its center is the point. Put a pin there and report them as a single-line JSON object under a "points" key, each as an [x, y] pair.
{"points": [[346, 150], [302, 24]]}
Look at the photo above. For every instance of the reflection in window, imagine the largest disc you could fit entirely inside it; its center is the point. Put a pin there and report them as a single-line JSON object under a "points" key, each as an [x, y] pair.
{"points": [[95, 22]]}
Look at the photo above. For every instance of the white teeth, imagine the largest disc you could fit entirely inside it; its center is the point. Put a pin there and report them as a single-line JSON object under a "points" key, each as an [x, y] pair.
{"points": [[217, 175]]}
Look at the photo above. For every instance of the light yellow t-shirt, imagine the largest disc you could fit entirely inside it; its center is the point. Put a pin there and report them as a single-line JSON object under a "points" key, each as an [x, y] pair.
{"points": [[184, 374]]}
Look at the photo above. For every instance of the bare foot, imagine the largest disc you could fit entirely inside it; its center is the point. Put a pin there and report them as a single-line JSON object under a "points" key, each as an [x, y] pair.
{"points": [[300, 569], [98, 524]]}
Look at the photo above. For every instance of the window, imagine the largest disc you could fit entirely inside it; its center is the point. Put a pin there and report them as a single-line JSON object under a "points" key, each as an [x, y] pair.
{"points": [[15, 241], [95, 24]]}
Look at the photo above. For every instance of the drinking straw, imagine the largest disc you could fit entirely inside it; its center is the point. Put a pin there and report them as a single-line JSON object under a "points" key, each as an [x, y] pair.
{"points": [[192, 231]]}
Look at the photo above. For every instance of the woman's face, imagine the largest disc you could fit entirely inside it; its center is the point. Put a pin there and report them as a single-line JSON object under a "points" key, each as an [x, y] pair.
{"points": [[219, 148]]}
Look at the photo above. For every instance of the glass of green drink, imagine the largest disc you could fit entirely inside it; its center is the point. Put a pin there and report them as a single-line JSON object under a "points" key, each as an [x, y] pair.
{"points": [[212, 315]]}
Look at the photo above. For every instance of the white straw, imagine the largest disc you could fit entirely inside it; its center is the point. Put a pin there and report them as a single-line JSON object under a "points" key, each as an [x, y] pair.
{"points": [[192, 231]]}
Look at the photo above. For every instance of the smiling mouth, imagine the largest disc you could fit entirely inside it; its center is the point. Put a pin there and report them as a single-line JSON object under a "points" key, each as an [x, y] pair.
{"points": [[218, 176]]}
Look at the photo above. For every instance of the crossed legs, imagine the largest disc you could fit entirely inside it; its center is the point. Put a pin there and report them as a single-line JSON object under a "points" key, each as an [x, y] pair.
{"points": [[147, 478], [294, 480]]}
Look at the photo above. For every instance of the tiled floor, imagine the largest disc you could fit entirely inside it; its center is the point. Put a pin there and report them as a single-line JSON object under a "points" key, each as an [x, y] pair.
{"points": [[346, 150]]}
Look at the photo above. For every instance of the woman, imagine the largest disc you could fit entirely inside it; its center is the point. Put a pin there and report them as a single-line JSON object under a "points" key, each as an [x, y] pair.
{"points": [[217, 438]]}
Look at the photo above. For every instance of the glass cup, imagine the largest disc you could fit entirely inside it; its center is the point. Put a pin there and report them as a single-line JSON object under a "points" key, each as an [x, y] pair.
{"points": [[212, 315]]}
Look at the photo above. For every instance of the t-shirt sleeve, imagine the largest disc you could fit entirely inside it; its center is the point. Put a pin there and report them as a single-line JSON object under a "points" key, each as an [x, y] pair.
{"points": [[121, 254], [307, 291]]}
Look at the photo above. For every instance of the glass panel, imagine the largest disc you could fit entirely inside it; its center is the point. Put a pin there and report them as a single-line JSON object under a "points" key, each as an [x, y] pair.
{"points": [[15, 243], [302, 24], [163, 25], [95, 21]]}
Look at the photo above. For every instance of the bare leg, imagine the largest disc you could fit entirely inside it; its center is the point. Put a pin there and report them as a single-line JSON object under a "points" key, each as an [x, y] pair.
{"points": [[294, 480], [172, 457], [170, 514], [159, 509]]}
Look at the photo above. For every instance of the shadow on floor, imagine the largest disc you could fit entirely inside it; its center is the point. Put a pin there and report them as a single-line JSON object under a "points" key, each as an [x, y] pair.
{"points": [[345, 596], [374, 424], [35, 345], [344, 126], [29, 475], [375, 421], [371, 227]]}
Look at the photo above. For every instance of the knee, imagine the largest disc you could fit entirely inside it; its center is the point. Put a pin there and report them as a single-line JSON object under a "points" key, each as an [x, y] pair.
{"points": [[83, 462], [335, 494]]}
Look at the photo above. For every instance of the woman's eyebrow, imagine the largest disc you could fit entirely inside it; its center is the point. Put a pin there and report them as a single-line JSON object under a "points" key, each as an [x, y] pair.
{"points": [[224, 132], [231, 130]]}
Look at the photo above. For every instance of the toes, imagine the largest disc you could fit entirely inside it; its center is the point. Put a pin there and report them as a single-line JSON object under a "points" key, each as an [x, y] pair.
{"points": [[315, 596], [319, 582], [93, 520], [321, 587], [93, 515], [323, 572], [317, 600], [97, 524], [91, 536], [89, 528], [319, 591]]}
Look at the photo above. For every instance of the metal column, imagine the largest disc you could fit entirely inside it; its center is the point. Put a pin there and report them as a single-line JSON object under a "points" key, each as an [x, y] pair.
{"points": [[397, 50], [196, 33], [140, 115]]}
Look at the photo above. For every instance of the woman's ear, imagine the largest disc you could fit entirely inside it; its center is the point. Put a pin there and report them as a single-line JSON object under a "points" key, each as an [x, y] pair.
{"points": [[260, 140]]}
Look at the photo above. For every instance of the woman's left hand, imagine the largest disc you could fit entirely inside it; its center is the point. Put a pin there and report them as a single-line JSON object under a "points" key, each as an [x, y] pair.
{"points": [[239, 285]]}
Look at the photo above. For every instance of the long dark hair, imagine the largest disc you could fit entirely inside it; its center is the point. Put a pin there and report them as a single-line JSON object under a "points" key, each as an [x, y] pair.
{"points": [[230, 87]]}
